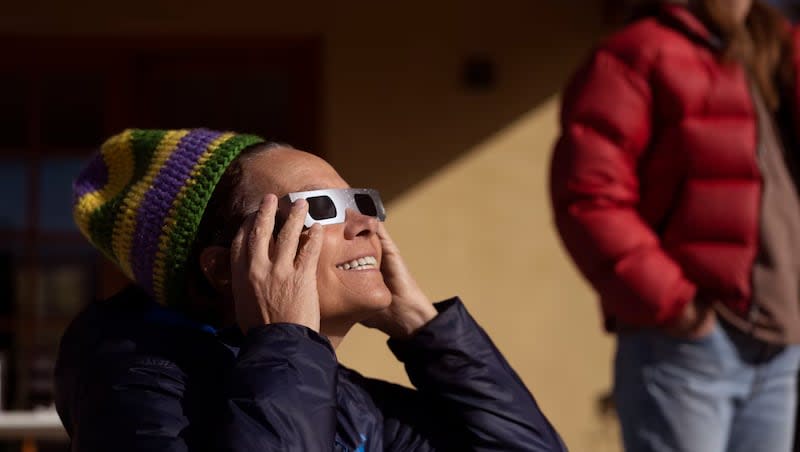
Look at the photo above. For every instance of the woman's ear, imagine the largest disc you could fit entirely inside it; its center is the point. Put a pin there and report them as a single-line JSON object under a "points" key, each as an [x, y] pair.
{"points": [[215, 262]]}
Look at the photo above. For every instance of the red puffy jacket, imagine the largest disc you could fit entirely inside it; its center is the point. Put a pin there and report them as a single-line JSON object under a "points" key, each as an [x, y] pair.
{"points": [[655, 183]]}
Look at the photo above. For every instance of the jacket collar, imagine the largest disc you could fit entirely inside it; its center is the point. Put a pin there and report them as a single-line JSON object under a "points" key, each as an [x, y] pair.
{"points": [[680, 17]]}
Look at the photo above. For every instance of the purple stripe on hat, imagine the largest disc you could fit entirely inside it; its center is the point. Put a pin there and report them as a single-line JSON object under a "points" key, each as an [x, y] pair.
{"points": [[94, 176], [158, 200]]}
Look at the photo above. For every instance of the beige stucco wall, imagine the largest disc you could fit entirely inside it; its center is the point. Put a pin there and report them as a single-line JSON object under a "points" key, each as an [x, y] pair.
{"points": [[465, 171], [481, 228], [480, 225]]}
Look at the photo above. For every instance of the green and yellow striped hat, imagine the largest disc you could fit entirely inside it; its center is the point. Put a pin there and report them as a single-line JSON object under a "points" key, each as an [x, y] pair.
{"points": [[140, 200]]}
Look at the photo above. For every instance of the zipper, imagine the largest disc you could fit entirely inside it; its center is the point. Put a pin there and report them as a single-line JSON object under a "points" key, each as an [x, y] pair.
{"points": [[340, 445]]}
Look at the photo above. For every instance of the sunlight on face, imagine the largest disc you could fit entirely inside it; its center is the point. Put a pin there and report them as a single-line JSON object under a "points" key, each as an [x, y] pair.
{"points": [[738, 8], [346, 295]]}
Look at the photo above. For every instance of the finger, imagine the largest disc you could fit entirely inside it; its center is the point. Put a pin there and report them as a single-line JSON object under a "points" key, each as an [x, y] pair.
{"points": [[392, 263], [387, 243], [289, 237], [308, 254], [261, 232], [239, 252]]}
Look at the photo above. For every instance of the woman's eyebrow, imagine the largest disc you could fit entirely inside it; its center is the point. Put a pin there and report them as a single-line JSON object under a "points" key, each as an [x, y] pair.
{"points": [[310, 187]]}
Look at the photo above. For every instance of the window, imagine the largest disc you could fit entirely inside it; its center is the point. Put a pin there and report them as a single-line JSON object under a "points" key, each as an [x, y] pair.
{"points": [[59, 98]]}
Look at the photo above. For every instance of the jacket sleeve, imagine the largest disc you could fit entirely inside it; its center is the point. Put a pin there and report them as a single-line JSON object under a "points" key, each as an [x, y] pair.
{"points": [[606, 127], [281, 394], [467, 399], [126, 405]]}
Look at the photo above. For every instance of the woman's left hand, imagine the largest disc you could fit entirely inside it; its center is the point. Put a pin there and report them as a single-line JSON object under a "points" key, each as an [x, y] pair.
{"points": [[410, 308]]}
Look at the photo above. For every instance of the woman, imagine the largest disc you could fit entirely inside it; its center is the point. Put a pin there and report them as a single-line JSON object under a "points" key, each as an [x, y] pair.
{"points": [[674, 193], [227, 340]]}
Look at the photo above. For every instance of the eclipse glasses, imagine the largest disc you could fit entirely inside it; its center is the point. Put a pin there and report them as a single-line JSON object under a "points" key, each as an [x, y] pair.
{"points": [[328, 206]]}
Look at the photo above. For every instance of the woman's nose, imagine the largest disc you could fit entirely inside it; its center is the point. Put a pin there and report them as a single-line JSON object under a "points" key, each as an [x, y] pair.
{"points": [[356, 224]]}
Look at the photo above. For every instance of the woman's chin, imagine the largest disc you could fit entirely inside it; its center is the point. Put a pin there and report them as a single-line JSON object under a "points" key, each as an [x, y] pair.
{"points": [[373, 301], [356, 306]]}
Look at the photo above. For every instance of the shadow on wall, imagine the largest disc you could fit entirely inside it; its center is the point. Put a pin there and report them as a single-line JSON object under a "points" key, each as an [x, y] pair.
{"points": [[406, 87], [408, 96]]}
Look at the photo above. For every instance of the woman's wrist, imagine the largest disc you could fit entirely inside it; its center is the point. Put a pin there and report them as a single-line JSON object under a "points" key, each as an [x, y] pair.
{"points": [[413, 319]]}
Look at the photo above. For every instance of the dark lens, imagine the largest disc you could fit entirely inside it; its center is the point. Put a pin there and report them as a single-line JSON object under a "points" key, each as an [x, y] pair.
{"points": [[321, 207], [366, 205]]}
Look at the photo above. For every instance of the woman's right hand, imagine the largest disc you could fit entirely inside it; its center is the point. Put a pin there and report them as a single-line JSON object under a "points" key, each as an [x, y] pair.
{"points": [[274, 280], [696, 321]]}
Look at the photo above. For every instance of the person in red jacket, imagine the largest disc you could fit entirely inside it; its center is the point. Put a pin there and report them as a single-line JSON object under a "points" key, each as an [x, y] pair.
{"points": [[673, 188]]}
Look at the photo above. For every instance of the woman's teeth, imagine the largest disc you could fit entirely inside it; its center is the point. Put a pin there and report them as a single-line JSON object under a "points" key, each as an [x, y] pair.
{"points": [[362, 263]]}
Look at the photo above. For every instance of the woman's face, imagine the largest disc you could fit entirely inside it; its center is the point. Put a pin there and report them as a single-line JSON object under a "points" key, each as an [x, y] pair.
{"points": [[346, 296], [739, 9]]}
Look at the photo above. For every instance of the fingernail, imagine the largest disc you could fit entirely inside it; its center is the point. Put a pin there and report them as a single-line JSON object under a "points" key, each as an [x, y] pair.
{"points": [[300, 203], [269, 199]]}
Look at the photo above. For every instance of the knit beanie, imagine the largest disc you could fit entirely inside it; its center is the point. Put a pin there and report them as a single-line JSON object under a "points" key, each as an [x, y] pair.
{"points": [[140, 200]]}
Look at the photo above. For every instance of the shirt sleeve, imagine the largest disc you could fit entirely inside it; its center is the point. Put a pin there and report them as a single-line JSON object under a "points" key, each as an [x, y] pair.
{"points": [[606, 126]]}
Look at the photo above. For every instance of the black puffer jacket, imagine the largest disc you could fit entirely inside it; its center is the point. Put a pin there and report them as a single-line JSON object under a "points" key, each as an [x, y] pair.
{"points": [[135, 377]]}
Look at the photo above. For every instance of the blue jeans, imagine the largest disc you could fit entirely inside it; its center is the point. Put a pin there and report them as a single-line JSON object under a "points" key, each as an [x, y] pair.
{"points": [[718, 393]]}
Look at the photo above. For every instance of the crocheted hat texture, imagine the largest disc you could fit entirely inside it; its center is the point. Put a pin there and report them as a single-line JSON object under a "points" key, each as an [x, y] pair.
{"points": [[140, 200]]}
